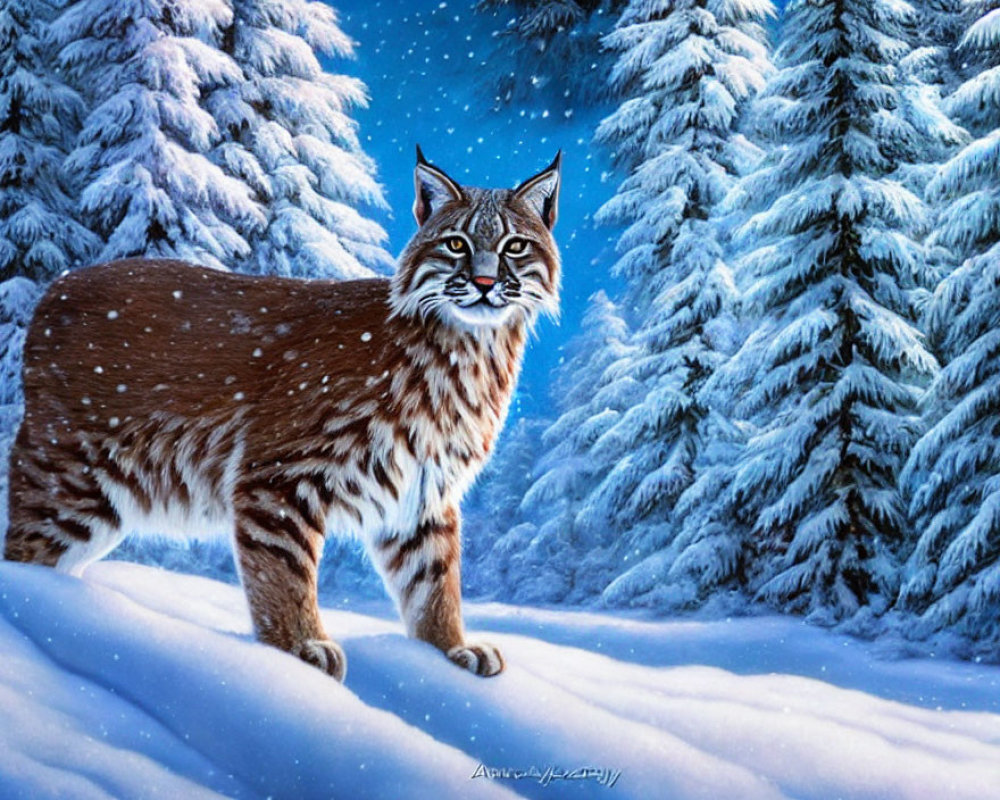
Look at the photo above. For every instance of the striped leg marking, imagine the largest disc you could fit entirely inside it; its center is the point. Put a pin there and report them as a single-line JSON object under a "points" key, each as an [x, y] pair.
{"points": [[423, 574], [279, 550]]}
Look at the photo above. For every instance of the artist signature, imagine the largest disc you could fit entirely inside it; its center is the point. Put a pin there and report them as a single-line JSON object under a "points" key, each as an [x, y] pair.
{"points": [[603, 776]]}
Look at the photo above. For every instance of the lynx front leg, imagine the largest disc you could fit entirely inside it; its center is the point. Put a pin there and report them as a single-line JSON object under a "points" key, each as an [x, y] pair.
{"points": [[279, 543], [422, 572]]}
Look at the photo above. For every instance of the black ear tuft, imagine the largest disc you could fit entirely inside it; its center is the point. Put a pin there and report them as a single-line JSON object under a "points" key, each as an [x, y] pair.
{"points": [[541, 192], [432, 188]]}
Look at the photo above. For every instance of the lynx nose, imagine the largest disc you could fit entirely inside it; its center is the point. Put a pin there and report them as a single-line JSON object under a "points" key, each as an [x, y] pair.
{"points": [[485, 270]]}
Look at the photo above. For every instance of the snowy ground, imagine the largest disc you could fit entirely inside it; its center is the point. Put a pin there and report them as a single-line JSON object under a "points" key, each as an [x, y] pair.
{"points": [[137, 682]]}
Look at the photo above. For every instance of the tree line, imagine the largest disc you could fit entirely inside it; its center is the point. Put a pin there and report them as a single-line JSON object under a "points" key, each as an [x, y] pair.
{"points": [[793, 403]]}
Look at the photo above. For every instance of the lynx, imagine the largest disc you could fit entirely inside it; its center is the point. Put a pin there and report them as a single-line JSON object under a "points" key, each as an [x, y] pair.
{"points": [[164, 396]]}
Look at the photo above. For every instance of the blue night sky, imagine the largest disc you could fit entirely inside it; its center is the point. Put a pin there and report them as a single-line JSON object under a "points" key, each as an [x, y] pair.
{"points": [[425, 64]]}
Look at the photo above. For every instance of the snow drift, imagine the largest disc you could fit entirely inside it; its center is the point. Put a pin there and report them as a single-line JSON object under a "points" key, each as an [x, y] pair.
{"points": [[137, 682]]}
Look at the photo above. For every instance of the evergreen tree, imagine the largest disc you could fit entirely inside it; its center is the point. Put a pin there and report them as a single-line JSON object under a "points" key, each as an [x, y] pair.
{"points": [[927, 73], [594, 390], [700, 560], [541, 40], [684, 71], [142, 154], [934, 34], [834, 374], [287, 135], [953, 475], [492, 507], [540, 553], [39, 236], [39, 115]]}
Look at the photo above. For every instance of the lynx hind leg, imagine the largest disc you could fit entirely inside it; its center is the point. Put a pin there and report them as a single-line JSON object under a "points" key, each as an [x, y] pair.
{"points": [[423, 574], [59, 515], [278, 545]]}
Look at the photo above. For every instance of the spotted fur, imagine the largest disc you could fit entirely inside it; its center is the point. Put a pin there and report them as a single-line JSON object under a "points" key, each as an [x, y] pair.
{"points": [[161, 396]]}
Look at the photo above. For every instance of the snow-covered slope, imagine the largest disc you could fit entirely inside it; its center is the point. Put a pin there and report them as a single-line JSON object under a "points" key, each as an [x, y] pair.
{"points": [[136, 682]]}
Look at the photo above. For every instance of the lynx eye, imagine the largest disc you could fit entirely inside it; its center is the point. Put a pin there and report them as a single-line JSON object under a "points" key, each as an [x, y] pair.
{"points": [[456, 244], [515, 247]]}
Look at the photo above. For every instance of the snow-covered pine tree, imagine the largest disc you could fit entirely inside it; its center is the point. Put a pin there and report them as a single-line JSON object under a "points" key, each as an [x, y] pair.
{"points": [[684, 72], [492, 508], [542, 40], [953, 475], [288, 136], [935, 30], [150, 189], [928, 72], [39, 116], [835, 372], [39, 237], [536, 553], [591, 391]]}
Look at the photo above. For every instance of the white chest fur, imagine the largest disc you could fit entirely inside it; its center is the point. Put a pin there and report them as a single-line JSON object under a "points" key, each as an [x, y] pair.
{"points": [[419, 489]]}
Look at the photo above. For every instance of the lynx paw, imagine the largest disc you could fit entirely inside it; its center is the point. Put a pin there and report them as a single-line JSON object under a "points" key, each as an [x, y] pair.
{"points": [[482, 659], [325, 654]]}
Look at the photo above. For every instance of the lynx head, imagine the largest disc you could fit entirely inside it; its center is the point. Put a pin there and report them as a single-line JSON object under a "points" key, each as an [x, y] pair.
{"points": [[481, 258]]}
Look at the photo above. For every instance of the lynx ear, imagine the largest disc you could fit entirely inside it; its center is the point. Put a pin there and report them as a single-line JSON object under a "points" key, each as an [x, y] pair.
{"points": [[432, 187], [542, 192]]}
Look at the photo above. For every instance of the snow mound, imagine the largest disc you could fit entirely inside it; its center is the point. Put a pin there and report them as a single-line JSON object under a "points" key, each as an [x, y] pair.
{"points": [[137, 682]]}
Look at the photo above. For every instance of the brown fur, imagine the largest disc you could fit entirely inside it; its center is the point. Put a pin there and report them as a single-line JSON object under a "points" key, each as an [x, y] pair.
{"points": [[156, 391]]}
